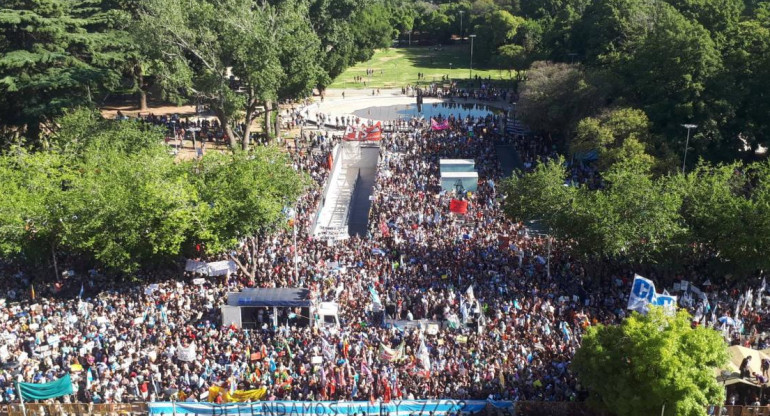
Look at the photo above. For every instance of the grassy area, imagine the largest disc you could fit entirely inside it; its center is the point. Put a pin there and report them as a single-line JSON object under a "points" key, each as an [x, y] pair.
{"points": [[397, 67]]}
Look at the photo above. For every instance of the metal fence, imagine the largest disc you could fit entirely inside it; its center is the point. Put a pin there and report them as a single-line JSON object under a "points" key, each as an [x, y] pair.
{"points": [[739, 411], [73, 409], [521, 409]]}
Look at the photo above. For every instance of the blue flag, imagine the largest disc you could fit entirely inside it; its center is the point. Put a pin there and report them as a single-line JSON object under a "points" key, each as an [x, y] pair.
{"points": [[642, 294], [375, 297]]}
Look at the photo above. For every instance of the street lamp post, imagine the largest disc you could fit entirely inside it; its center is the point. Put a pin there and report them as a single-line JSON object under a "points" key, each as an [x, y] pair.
{"points": [[462, 12], [471, 36], [687, 143]]}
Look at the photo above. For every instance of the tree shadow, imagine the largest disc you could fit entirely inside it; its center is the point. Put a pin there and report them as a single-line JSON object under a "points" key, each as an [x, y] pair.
{"points": [[439, 57]]}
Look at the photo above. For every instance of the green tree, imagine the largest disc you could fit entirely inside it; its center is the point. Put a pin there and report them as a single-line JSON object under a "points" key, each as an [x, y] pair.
{"points": [[511, 57], [372, 30], [619, 134], [332, 22], [718, 16], [129, 211], [555, 97], [612, 29], [648, 362], [53, 59], [33, 211], [744, 83], [235, 55], [241, 194], [669, 75], [726, 209], [498, 28], [108, 192], [634, 218]]}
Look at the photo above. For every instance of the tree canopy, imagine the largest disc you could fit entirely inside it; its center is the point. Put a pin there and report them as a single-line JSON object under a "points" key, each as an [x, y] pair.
{"points": [[715, 216], [109, 192], [650, 362]]}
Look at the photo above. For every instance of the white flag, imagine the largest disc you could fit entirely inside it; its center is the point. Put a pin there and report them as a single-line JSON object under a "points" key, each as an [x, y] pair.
{"points": [[642, 294], [469, 293], [423, 356]]}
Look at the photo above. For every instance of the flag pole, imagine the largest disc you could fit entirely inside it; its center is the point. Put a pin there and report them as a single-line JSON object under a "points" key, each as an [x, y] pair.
{"points": [[21, 399]]}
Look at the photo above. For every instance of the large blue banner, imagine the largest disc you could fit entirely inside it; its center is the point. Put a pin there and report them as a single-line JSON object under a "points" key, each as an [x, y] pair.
{"points": [[294, 408]]}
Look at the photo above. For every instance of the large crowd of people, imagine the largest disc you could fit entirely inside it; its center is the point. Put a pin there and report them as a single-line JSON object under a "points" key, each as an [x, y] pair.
{"points": [[509, 315]]}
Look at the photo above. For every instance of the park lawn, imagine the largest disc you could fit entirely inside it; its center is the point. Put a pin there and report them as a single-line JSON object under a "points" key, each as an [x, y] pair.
{"points": [[397, 67]]}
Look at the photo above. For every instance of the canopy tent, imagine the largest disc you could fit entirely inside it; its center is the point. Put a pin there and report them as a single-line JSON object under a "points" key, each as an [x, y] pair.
{"points": [[280, 298], [730, 374]]}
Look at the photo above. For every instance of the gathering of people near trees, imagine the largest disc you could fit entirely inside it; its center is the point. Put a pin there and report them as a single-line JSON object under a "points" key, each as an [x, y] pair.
{"points": [[639, 132]]}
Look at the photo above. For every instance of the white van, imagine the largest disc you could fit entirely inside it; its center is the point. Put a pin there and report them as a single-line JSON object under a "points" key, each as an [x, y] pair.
{"points": [[328, 314]]}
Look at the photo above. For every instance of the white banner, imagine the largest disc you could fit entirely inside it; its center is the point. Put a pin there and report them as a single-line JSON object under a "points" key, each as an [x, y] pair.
{"points": [[642, 294], [200, 267], [221, 268], [186, 353], [149, 290]]}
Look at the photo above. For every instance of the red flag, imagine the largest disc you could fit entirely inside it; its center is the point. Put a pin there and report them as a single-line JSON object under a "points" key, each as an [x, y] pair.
{"points": [[350, 133], [330, 161], [458, 207], [374, 133], [384, 229]]}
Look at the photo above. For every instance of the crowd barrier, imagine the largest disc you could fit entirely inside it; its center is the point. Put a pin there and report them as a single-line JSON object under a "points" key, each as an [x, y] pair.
{"points": [[540, 408], [289, 408], [75, 409], [264, 408], [293, 408], [739, 411]]}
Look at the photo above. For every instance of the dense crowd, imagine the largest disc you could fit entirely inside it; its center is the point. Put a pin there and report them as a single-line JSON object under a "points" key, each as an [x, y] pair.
{"points": [[508, 314]]}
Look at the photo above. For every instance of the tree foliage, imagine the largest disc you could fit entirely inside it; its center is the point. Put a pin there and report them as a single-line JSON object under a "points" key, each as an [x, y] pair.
{"points": [[57, 54], [110, 192], [617, 135], [230, 210], [715, 216], [235, 55], [726, 208], [634, 217], [648, 362], [555, 97]]}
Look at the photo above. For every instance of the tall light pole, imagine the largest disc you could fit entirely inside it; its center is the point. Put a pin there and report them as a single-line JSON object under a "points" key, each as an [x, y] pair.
{"points": [[462, 12], [471, 36], [687, 143]]}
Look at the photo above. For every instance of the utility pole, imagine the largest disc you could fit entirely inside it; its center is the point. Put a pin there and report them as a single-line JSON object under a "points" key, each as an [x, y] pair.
{"points": [[471, 73]]}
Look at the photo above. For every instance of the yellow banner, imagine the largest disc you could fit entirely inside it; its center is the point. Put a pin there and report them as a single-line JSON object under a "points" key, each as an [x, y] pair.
{"points": [[238, 396]]}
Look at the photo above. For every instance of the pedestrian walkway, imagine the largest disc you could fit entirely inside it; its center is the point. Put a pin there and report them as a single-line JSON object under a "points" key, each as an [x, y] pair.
{"points": [[509, 159]]}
